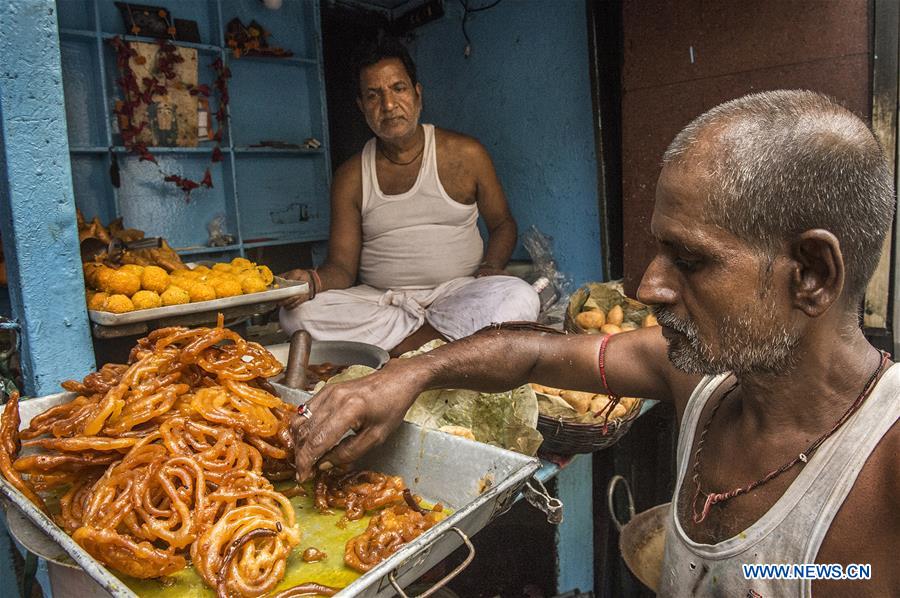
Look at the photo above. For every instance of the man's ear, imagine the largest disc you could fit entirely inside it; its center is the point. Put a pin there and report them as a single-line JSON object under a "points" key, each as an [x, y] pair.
{"points": [[419, 90], [817, 280]]}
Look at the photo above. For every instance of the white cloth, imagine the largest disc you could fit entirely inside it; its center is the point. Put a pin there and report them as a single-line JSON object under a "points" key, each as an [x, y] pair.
{"points": [[456, 309], [418, 239], [793, 529]]}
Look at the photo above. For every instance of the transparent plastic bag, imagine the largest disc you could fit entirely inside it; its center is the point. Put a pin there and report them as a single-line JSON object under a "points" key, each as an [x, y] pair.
{"points": [[552, 285], [217, 235]]}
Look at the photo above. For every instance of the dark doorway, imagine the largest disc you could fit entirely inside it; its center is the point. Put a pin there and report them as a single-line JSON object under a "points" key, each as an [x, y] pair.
{"points": [[343, 29]]}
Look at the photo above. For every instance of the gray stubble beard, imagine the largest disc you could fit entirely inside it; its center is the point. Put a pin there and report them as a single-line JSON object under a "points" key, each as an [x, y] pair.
{"points": [[747, 345]]}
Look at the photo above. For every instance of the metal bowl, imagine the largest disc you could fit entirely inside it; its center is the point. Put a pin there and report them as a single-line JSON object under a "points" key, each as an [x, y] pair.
{"points": [[337, 352]]}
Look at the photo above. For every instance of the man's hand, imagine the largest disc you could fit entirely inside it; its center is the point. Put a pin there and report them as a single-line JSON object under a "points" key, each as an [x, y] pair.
{"points": [[372, 407], [303, 276], [490, 271]]}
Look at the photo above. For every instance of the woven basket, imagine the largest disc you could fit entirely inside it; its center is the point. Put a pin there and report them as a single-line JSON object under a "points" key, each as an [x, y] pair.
{"points": [[564, 437], [568, 438], [613, 290]]}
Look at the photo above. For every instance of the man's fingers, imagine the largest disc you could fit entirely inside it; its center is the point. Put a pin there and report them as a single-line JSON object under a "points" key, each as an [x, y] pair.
{"points": [[351, 448], [320, 437], [294, 301]]}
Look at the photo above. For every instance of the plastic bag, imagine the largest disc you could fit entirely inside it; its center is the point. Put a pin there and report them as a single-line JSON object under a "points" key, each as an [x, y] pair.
{"points": [[555, 289], [217, 235]]}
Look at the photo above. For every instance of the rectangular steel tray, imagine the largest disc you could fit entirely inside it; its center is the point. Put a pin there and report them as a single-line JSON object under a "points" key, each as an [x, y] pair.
{"points": [[174, 315], [477, 481]]}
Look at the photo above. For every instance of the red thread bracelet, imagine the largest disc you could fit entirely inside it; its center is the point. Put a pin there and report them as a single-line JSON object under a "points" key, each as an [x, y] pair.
{"points": [[602, 362]]}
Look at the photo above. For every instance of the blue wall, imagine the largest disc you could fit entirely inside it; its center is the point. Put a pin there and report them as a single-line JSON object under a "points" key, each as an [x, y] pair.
{"points": [[524, 92]]}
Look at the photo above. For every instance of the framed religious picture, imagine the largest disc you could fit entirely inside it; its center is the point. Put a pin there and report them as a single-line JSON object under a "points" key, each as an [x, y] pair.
{"points": [[170, 117], [149, 21]]}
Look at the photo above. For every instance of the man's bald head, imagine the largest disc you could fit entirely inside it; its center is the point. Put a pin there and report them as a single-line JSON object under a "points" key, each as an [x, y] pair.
{"points": [[779, 163]]}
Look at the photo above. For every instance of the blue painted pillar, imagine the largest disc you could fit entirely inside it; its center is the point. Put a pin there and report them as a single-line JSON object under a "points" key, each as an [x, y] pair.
{"points": [[575, 535], [37, 205]]}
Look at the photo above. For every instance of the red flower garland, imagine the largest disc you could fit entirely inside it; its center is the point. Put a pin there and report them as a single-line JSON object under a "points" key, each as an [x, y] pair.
{"points": [[135, 96]]}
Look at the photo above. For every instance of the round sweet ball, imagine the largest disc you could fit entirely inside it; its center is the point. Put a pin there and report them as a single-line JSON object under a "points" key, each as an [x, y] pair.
{"points": [[99, 276], [96, 301], [118, 304], [201, 292], [265, 274], [133, 268], [226, 287], [91, 273], [252, 284], [154, 279], [241, 263], [175, 296], [146, 300], [123, 282]]}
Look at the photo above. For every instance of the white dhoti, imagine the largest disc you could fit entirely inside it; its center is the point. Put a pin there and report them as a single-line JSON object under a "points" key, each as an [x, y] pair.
{"points": [[456, 309]]}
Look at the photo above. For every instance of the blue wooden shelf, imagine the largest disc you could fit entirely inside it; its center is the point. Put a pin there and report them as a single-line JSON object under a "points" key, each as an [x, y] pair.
{"points": [[280, 150], [255, 188], [288, 239], [297, 60], [156, 150], [83, 33], [204, 250], [153, 40], [88, 149]]}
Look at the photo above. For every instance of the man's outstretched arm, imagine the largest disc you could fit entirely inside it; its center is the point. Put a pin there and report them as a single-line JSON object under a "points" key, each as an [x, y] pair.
{"points": [[490, 361]]}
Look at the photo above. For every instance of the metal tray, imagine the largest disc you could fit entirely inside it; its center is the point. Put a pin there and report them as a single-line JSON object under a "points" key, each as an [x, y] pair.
{"points": [[477, 481], [173, 315]]}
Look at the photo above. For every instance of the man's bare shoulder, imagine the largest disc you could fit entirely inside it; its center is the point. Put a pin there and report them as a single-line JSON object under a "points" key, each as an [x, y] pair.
{"points": [[350, 168], [866, 528], [347, 183], [459, 145]]}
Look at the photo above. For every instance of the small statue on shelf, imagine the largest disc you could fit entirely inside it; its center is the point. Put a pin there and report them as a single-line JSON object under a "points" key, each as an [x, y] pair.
{"points": [[251, 40]]}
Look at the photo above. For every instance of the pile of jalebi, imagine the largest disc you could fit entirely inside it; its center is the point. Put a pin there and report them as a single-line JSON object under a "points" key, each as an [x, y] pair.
{"points": [[401, 521], [389, 531], [357, 491], [169, 458]]}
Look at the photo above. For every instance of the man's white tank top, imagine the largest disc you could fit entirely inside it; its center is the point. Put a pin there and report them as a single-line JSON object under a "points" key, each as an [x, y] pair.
{"points": [[417, 239], [793, 529]]}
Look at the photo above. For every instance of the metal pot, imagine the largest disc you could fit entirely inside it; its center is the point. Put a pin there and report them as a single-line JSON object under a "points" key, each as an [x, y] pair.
{"points": [[336, 352], [642, 539]]}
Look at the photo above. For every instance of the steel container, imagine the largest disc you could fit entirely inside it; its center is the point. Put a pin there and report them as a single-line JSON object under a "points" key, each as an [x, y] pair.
{"points": [[476, 481]]}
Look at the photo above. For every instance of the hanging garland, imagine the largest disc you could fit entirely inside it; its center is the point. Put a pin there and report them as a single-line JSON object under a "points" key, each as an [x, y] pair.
{"points": [[137, 95]]}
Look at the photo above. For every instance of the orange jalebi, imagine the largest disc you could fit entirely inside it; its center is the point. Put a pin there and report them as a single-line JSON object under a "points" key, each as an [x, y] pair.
{"points": [[163, 460], [170, 458], [388, 532], [9, 449], [357, 491]]}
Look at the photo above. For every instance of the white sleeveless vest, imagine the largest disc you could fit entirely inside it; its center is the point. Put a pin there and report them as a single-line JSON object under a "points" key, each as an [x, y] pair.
{"points": [[418, 239], [793, 529]]}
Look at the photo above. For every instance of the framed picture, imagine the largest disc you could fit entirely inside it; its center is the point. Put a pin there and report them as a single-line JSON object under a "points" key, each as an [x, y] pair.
{"points": [[172, 117], [148, 21]]}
